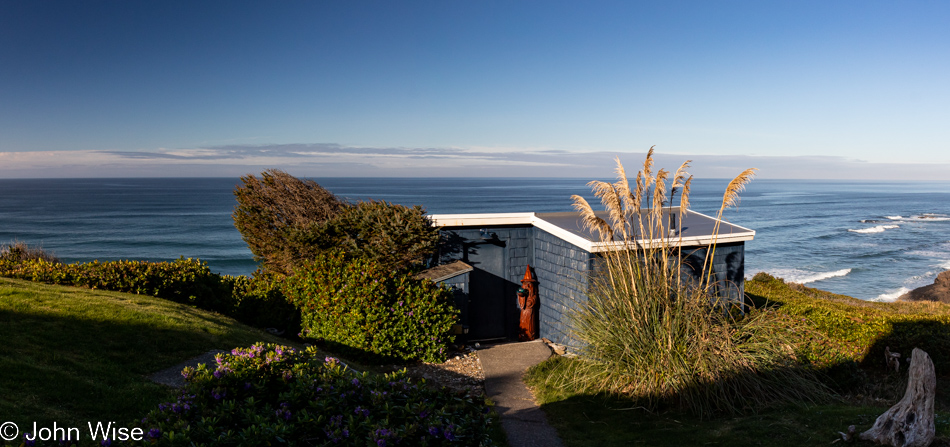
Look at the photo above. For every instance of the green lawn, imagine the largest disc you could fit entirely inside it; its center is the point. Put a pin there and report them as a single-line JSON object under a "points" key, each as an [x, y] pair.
{"points": [[845, 337], [71, 355]]}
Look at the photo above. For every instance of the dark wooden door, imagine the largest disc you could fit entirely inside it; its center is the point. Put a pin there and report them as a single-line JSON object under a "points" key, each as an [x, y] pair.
{"points": [[488, 296]]}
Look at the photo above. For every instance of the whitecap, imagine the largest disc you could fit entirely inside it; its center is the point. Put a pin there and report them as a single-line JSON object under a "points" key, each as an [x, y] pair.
{"points": [[945, 265], [930, 217], [877, 229], [894, 217], [893, 296], [803, 277]]}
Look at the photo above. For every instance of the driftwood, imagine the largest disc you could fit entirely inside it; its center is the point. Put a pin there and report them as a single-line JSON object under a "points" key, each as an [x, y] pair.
{"points": [[911, 421]]}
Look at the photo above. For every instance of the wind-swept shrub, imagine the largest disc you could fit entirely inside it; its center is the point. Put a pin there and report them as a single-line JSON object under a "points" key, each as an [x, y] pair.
{"points": [[18, 251], [274, 204], [391, 235], [361, 305], [285, 221], [654, 336]]}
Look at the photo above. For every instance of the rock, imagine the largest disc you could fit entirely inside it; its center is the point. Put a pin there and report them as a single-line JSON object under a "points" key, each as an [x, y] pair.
{"points": [[910, 423], [938, 291]]}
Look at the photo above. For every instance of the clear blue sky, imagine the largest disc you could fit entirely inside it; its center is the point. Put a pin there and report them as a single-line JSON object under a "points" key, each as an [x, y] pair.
{"points": [[831, 89]]}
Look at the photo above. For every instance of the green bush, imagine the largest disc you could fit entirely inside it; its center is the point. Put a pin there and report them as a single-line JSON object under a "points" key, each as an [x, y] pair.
{"points": [[286, 220], [269, 395], [394, 236], [361, 305], [257, 300], [276, 395], [275, 205], [19, 251]]}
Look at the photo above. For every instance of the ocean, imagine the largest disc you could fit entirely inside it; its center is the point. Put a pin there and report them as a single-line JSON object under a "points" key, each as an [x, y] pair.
{"points": [[870, 240]]}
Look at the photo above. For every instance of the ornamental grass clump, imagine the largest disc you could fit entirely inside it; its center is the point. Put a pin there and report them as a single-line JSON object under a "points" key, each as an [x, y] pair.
{"points": [[662, 337]]}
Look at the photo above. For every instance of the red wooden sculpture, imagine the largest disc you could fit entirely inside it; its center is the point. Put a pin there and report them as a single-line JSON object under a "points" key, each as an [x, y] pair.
{"points": [[528, 303]]}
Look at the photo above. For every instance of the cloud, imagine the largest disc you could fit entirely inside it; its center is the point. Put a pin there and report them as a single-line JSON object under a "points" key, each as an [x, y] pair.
{"points": [[334, 160]]}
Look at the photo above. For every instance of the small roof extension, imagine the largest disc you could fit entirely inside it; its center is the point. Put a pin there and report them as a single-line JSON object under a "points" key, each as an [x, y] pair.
{"points": [[696, 229]]}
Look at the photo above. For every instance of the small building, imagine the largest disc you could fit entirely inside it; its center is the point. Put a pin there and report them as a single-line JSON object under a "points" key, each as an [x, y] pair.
{"points": [[485, 256]]}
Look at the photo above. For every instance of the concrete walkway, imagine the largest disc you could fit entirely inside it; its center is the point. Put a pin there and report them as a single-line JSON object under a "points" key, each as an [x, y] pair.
{"points": [[504, 364]]}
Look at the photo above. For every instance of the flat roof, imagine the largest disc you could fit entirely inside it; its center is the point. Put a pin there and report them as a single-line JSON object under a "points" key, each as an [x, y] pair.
{"points": [[696, 229]]}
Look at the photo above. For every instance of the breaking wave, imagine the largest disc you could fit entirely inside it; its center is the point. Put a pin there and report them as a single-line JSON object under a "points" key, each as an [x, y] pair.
{"points": [[803, 277], [877, 229], [893, 296], [925, 217]]}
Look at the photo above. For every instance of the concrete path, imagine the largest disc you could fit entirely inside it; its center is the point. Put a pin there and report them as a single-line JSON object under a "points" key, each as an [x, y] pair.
{"points": [[504, 364]]}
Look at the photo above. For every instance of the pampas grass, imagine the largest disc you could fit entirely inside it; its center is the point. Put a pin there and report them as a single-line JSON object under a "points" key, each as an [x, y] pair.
{"points": [[662, 340]]}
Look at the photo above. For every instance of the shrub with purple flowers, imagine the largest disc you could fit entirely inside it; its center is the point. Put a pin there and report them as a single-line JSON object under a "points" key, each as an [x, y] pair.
{"points": [[364, 306], [323, 403]]}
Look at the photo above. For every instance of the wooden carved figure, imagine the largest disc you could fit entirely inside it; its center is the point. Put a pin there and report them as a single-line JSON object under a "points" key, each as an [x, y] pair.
{"points": [[528, 303]]}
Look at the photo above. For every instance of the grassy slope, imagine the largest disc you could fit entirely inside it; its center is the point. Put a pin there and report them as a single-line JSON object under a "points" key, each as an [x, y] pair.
{"points": [[71, 355], [842, 333]]}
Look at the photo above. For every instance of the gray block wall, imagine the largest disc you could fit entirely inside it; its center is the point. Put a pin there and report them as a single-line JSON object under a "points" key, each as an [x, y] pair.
{"points": [[562, 270]]}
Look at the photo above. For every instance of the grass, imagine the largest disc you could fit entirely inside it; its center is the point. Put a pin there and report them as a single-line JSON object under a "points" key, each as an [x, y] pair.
{"points": [[71, 355], [839, 335], [656, 327]]}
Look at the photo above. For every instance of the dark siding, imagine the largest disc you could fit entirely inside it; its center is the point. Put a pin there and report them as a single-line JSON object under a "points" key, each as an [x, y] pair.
{"points": [[515, 245], [562, 270]]}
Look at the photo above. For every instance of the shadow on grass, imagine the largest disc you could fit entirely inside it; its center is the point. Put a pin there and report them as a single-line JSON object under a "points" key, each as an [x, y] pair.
{"points": [[604, 421], [71, 365]]}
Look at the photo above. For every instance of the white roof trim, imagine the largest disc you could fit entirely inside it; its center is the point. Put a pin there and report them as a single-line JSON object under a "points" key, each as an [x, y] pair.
{"points": [[490, 219], [477, 220]]}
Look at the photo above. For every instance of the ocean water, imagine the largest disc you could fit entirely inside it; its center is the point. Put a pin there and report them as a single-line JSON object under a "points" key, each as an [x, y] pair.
{"points": [[870, 240]]}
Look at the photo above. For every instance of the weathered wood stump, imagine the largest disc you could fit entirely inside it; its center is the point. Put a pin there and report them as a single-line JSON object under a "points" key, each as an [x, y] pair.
{"points": [[911, 421]]}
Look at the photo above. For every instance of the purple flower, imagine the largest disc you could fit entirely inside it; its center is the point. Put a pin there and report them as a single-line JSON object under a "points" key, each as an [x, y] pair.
{"points": [[355, 382], [283, 413], [361, 411], [247, 385], [154, 433], [27, 441], [106, 442], [434, 431]]}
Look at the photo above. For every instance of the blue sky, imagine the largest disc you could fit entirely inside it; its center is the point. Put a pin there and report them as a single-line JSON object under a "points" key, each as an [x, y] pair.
{"points": [[842, 89]]}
